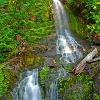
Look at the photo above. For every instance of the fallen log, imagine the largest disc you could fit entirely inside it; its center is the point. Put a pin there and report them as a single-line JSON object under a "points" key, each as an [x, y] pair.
{"points": [[94, 60], [82, 64]]}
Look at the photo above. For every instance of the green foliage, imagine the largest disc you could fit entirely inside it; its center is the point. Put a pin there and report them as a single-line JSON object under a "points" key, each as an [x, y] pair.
{"points": [[6, 79], [68, 68], [89, 15], [28, 18], [32, 22], [7, 40], [65, 83], [43, 73], [3, 85], [77, 28], [75, 87], [96, 96], [92, 15], [2, 2]]}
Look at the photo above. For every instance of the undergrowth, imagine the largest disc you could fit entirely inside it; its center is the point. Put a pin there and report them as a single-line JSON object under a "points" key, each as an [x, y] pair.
{"points": [[31, 19]]}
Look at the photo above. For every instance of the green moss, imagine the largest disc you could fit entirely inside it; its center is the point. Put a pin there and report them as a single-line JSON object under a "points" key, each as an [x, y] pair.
{"points": [[7, 78], [43, 73], [65, 83], [76, 27], [75, 87]]}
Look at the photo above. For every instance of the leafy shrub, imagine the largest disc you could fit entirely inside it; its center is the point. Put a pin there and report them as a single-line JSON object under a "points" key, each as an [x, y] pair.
{"points": [[44, 72], [7, 40], [88, 10], [28, 18], [75, 87]]}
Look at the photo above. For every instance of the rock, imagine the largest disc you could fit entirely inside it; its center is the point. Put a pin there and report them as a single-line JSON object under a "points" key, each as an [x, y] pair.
{"points": [[50, 62]]}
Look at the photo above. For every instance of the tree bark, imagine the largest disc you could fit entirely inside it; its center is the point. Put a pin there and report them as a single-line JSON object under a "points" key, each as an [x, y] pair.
{"points": [[82, 64]]}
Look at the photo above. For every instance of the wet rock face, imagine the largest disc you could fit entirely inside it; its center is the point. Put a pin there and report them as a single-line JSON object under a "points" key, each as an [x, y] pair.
{"points": [[63, 1]]}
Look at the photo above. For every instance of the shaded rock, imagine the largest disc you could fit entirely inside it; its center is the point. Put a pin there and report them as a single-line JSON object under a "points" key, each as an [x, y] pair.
{"points": [[50, 62]]}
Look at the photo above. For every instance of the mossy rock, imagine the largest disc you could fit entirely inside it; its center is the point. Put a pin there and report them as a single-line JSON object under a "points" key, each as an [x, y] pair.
{"points": [[7, 79], [77, 28], [76, 87]]}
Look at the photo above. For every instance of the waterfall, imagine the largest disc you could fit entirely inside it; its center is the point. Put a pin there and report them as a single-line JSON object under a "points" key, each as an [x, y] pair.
{"points": [[28, 88], [67, 46], [53, 91]]}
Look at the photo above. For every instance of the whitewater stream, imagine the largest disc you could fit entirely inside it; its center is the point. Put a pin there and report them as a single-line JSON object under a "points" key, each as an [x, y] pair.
{"points": [[28, 88], [67, 46]]}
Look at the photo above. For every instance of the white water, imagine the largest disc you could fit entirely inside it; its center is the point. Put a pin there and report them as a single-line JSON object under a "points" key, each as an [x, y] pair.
{"points": [[28, 88], [53, 91], [67, 46], [54, 87]]}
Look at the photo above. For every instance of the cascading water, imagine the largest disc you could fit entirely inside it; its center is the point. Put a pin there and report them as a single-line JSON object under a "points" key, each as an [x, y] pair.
{"points": [[67, 47], [53, 91], [28, 88]]}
